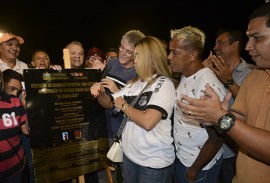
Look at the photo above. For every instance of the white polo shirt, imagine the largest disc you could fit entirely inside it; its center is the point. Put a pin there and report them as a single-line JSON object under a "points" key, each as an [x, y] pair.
{"points": [[19, 67]]}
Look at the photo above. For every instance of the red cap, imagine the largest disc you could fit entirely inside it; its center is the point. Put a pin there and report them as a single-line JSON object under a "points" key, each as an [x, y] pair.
{"points": [[95, 51]]}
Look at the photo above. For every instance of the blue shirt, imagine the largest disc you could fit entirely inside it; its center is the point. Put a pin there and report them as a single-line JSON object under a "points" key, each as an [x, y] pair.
{"points": [[115, 71]]}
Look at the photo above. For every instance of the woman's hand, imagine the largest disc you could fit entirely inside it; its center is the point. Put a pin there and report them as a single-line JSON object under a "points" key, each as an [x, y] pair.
{"points": [[110, 84], [97, 89]]}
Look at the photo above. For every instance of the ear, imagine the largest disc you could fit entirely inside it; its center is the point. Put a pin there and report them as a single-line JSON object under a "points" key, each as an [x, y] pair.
{"points": [[193, 55], [33, 63], [236, 44]]}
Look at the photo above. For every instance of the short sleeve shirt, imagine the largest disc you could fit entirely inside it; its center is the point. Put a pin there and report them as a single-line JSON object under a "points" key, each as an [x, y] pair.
{"points": [[152, 148]]}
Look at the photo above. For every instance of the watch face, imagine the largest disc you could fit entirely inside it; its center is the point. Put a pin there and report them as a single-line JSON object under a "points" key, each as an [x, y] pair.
{"points": [[226, 122]]}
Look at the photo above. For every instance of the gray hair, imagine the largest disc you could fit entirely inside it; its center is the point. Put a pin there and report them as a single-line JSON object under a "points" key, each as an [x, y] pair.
{"points": [[133, 36], [76, 43]]}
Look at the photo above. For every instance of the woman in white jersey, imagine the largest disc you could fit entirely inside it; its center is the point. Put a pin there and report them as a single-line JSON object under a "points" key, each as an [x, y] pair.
{"points": [[146, 138]]}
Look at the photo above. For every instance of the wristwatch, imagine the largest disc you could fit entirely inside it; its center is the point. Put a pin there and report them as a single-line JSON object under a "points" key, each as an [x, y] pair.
{"points": [[229, 83], [225, 123]]}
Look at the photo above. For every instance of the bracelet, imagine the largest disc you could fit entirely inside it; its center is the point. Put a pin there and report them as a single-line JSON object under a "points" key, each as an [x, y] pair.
{"points": [[125, 107]]}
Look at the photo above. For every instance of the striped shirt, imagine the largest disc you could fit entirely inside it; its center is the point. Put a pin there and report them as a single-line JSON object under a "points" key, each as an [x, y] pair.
{"points": [[13, 115]]}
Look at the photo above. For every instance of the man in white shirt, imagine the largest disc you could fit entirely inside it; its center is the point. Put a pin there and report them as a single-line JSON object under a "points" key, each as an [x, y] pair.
{"points": [[198, 147]]}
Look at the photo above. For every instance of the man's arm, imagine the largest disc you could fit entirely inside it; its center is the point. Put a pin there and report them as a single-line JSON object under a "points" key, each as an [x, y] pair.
{"points": [[24, 128], [234, 88], [254, 140], [207, 153]]}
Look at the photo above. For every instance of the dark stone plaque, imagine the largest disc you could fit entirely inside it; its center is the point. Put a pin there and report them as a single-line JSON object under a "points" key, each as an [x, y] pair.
{"points": [[68, 132]]}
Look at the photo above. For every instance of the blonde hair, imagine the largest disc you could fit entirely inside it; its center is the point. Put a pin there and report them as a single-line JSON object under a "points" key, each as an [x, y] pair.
{"points": [[192, 38], [151, 59]]}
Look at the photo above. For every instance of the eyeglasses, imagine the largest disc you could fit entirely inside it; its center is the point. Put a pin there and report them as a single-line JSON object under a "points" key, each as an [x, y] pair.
{"points": [[93, 58], [123, 49], [110, 57]]}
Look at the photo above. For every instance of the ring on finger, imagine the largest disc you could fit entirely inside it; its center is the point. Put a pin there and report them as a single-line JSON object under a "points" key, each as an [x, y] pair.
{"points": [[189, 113]]}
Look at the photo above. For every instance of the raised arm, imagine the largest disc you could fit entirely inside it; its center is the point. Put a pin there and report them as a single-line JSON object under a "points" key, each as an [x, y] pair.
{"points": [[223, 72]]}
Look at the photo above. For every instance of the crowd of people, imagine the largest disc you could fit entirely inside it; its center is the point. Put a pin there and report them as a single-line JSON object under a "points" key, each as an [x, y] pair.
{"points": [[211, 124]]}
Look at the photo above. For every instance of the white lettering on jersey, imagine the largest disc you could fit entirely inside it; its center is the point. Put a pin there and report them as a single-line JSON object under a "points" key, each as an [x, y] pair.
{"points": [[9, 119]]}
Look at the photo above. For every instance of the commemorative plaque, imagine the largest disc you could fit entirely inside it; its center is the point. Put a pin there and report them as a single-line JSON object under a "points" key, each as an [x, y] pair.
{"points": [[68, 132]]}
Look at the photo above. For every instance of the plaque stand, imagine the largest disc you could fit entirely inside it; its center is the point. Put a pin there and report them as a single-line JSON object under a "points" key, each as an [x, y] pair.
{"points": [[108, 169]]}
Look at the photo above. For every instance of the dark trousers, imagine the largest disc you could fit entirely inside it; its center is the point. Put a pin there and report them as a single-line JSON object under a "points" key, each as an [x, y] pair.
{"points": [[14, 179], [227, 170]]}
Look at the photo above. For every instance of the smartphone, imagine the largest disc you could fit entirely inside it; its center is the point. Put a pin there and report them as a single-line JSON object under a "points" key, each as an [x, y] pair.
{"points": [[23, 85]]}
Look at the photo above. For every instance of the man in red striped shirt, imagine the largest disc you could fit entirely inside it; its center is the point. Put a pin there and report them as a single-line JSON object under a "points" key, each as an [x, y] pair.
{"points": [[13, 121]]}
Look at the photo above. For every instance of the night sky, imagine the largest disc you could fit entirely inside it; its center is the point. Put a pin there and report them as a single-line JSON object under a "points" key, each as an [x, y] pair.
{"points": [[45, 24]]}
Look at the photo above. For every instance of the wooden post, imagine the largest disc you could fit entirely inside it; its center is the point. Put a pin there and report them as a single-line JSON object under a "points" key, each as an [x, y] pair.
{"points": [[109, 170], [67, 64], [81, 179]]}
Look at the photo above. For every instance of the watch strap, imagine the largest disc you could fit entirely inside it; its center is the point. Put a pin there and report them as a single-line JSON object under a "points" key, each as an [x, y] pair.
{"points": [[229, 83]]}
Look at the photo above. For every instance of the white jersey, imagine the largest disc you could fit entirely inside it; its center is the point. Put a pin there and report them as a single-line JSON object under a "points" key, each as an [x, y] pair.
{"points": [[152, 148]]}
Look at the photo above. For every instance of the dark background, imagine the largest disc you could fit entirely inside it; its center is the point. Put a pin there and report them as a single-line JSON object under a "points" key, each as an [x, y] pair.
{"points": [[51, 25]]}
